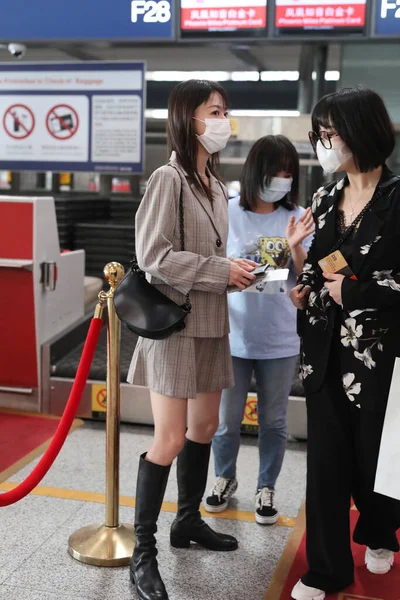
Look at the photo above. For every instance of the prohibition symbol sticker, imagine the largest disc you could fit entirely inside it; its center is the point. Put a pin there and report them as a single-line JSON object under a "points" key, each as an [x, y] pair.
{"points": [[250, 411], [101, 398], [19, 121], [62, 122]]}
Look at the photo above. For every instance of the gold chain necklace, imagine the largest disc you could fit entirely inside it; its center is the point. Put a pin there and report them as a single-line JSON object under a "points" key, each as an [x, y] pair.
{"points": [[352, 207]]}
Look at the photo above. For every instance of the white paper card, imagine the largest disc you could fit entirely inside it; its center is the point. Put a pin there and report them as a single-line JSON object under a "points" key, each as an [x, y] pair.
{"points": [[264, 283], [276, 275]]}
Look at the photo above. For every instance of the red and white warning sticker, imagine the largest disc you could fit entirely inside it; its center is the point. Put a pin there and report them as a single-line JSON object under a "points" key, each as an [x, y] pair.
{"points": [[19, 121], [62, 122]]}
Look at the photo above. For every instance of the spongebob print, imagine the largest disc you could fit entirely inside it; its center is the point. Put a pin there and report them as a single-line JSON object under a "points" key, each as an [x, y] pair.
{"points": [[274, 251]]}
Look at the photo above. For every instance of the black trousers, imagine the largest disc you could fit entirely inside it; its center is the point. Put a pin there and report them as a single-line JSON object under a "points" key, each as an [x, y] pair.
{"points": [[343, 448]]}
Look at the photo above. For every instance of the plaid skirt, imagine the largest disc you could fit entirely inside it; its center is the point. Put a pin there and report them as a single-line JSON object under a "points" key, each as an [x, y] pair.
{"points": [[181, 366]]}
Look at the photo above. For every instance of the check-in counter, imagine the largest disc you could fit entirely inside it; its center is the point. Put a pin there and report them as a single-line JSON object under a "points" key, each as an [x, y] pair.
{"points": [[42, 295]]}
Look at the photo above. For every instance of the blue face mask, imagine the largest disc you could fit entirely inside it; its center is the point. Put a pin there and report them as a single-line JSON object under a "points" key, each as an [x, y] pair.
{"points": [[276, 190]]}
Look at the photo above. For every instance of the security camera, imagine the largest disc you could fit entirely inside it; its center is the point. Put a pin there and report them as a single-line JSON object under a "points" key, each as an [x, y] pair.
{"points": [[17, 50]]}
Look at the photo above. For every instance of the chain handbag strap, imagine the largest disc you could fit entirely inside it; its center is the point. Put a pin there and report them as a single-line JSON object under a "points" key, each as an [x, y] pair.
{"points": [[187, 306], [224, 192], [351, 229]]}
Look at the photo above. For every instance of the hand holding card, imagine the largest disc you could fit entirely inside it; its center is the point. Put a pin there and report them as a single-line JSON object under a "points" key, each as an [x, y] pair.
{"points": [[264, 274], [334, 286], [337, 264]]}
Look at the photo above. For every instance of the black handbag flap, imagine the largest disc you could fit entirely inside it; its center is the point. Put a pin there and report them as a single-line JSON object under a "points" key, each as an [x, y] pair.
{"points": [[132, 300]]}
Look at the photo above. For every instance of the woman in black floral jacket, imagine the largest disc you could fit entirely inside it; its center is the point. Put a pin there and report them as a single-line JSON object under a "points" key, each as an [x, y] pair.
{"points": [[350, 331]]}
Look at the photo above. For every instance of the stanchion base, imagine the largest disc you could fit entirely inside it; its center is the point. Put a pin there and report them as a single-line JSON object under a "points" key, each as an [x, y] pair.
{"points": [[103, 546]]}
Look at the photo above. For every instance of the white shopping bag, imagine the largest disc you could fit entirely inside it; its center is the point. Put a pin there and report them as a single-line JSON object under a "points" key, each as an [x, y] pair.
{"points": [[387, 481]]}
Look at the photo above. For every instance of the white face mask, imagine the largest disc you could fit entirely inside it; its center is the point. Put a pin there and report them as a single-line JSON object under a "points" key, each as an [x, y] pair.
{"points": [[331, 160], [277, 189], [216, 135]]}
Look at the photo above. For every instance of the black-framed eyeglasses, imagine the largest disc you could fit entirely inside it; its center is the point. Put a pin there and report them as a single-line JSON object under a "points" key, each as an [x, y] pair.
{"points": [[324, 137]]}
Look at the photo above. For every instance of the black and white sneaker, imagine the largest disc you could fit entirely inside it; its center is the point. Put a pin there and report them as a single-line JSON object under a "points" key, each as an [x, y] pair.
{"points": [[266, 513], [220, 494]]}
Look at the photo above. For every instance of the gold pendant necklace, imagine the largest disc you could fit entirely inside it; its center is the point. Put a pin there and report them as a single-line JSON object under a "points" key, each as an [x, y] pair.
{"points": [[352, 207]]}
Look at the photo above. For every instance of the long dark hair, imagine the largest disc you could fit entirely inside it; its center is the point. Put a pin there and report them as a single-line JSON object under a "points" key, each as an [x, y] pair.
{"points": [[182, 103], [269, 155]]}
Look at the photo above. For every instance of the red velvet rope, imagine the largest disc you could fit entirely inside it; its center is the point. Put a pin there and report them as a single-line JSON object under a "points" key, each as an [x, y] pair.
{"points": [[25, 488]]}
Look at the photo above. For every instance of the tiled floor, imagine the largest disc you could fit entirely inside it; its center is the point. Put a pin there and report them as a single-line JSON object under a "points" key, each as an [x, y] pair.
{"points": [[35, 564], [81, 466]]}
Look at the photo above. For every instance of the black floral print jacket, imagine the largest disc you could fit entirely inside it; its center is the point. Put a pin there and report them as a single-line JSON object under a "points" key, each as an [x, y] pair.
{"points": [[365, 331]]}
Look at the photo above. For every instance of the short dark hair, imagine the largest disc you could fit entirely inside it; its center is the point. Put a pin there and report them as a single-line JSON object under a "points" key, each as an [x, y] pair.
{"points": [[269, 155], [360, 117], [181, 136]]}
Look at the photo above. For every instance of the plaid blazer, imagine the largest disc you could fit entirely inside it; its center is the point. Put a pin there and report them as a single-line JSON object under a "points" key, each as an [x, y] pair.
{"points": [[202, 270]]}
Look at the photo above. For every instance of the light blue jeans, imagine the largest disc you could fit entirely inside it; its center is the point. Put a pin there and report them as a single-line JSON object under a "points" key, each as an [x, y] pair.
{"points": [[274, 381]]}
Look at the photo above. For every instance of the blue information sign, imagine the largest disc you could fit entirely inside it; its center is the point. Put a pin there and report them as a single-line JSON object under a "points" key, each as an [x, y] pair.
{"points": [[35, 20], [72, 117], [387, 21]]}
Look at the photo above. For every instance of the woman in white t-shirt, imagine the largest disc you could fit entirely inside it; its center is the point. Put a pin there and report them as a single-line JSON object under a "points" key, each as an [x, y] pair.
{"points": [[267, 226]]}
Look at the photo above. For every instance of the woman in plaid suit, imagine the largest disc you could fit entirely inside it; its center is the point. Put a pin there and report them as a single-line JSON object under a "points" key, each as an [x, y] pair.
{"points": [[187, 371]]}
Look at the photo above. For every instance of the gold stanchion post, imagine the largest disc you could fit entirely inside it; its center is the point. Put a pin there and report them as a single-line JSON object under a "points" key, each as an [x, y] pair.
{"points": [[110, 544]]}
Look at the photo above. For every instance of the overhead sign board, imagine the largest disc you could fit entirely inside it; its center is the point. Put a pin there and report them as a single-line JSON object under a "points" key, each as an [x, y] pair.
{"points": [[23, 20], [72, 117], [219, 18], [387, 17], [301, 15]]}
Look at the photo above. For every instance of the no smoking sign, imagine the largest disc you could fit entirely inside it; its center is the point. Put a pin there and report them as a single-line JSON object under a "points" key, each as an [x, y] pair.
{"points": [[99, 398], [250, 411], [62, 122], [250, 416], [18, 121]]}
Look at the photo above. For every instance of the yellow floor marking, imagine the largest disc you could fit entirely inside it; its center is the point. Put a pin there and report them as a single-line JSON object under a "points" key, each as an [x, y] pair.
{"points": [[50, 492]]}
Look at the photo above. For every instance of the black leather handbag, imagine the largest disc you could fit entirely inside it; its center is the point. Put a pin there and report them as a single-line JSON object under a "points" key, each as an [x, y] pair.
{"points": [[143, 308]]}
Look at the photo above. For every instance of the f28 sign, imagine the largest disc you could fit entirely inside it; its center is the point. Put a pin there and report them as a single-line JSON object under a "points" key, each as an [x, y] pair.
{"points": [[387, 20], [150, 11]]}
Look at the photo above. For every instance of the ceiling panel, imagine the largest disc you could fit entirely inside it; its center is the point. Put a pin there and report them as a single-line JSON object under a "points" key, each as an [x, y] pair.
{"points": [[34, 54], [177, 58], [285, 57], [275, 57]]}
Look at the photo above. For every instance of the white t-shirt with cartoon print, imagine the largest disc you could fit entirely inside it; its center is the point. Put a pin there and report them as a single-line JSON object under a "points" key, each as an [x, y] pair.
{"points": [[263, 323]]}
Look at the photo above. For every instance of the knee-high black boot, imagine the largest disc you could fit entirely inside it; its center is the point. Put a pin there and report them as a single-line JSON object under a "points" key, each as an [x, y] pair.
{"points": [[151, 484], [192, 470]]}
